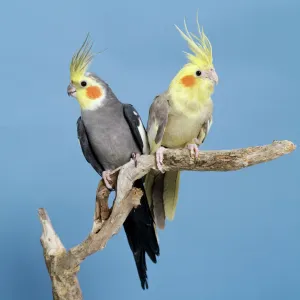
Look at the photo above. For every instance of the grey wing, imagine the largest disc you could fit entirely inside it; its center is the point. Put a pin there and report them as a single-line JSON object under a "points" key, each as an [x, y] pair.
{"points": [[154, 183], [137, 128], [86, 147], [204, 130], [157, 121]]}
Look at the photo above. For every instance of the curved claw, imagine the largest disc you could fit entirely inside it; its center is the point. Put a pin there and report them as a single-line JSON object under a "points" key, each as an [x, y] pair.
{"points": [[159, 158], [134, 157], [107, 179], [194, 151]]}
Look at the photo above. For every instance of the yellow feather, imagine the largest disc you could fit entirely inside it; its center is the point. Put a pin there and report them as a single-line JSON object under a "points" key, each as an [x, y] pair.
{"points": [[190, 98], [81, 60], [170, 196], [200, 46], [151, 138], [149, 180]]}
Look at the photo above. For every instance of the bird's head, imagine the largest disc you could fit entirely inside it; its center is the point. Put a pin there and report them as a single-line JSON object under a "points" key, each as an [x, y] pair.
{"points": [[198, 77], [87, 88]]}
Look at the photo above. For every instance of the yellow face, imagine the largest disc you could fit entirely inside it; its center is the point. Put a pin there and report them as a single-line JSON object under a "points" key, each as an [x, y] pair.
{"points": [[87, 88], [88, 91], [194, 83]]}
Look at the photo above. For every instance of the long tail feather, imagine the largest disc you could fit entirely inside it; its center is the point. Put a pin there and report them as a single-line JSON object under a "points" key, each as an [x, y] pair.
{"points": [[158, 202], [170, 196], [140, 232]]}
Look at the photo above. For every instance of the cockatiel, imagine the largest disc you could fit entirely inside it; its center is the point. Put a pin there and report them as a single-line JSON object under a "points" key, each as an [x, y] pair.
{"points": [[178, 118], [110, 134]]}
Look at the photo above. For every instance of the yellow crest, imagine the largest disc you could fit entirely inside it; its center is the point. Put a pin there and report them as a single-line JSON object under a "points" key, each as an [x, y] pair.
{"points": [[200, 46], [81, 60]]}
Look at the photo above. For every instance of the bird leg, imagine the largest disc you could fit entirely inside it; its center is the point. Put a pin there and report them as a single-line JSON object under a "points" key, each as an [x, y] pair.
{"points": [[107, 179], [194, 151], [135, 156], [159, 158]]}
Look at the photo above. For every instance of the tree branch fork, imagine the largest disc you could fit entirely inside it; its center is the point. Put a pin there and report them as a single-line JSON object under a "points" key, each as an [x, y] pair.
{"points": [[63, 265]]}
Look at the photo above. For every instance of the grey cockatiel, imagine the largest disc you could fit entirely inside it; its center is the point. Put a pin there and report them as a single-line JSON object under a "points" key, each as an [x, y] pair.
{"points": [[180, 117], [110, 133]]}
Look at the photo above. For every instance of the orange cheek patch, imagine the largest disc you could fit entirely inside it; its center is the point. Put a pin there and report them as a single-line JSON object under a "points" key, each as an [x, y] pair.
{"points": [[93, 92], [188, 80]]}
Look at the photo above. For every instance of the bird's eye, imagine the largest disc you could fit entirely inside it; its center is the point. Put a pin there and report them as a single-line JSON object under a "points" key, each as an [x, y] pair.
{"points": [[198, 73], [83, 83]]}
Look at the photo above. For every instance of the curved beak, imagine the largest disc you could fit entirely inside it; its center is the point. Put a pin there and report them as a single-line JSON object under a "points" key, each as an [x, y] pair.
{"points": [[213, 76], [71, 90]]}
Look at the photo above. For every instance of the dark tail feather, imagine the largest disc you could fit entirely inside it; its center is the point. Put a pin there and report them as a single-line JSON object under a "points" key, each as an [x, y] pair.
{"points": [[141, 235]]}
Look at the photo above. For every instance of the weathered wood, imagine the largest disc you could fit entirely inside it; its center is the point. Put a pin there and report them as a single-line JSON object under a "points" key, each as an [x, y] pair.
{"points": [[63, 265], [65, 285]]}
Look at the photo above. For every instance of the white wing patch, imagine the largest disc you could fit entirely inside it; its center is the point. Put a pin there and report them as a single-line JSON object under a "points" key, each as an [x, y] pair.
{"points": [[209, 123], [143, 135]]}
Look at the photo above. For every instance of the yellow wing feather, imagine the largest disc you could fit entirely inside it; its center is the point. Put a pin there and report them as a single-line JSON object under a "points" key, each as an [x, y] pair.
{"points": [[170, 195]]}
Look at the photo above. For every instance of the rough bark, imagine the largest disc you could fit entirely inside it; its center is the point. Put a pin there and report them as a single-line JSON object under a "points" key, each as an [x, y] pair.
{"points": [[63, 265]]}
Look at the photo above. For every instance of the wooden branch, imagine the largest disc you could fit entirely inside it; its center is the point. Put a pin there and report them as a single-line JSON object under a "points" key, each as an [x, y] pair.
{"points": [[102, 210], [63, 265], [65, 285]]}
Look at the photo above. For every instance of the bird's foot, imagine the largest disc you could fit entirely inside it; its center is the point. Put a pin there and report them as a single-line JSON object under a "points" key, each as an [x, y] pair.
{"points": [[107, 179], [194, 151], [159, 158], [135, 156]]}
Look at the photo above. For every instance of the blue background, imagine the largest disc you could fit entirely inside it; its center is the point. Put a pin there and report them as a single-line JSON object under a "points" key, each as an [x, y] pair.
{"points": [[236, 234]]}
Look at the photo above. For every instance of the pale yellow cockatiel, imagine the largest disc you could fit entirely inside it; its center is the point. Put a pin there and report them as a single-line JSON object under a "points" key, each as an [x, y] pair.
{"points": [[180, 117]]}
